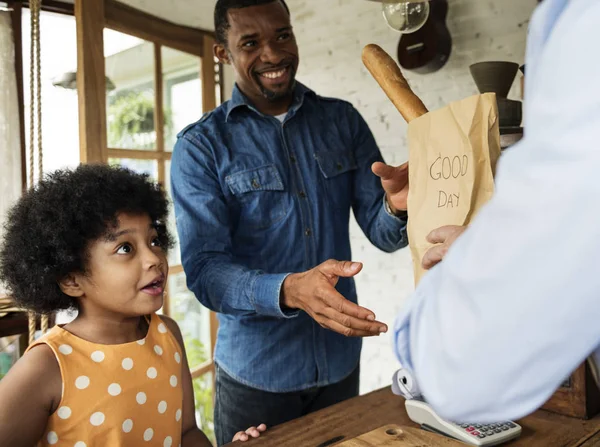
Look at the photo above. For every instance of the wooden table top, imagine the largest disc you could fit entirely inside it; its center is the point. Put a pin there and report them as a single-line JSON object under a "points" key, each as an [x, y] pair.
{"points": [[365, 413]]}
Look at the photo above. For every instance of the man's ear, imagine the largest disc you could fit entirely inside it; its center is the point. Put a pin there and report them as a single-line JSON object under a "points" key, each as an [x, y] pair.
{"points": [[70, 286], [221, 53]]}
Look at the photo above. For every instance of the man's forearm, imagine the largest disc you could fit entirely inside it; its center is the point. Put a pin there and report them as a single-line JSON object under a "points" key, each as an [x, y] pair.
{"points": [[388, 231], [233, 289]]}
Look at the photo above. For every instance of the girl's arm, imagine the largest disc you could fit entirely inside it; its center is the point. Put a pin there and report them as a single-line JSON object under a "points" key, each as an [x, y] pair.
{"points": [[29, 394]]}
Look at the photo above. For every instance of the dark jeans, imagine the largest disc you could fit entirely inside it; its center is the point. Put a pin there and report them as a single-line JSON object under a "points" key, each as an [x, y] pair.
{"points": [[239, 407]]}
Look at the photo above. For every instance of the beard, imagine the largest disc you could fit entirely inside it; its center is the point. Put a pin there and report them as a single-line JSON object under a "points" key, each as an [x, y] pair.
{"points": [[274, 96]]}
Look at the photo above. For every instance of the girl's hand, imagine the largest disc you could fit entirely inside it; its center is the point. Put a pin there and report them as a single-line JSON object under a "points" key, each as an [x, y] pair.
{"points": [[253, 432]]}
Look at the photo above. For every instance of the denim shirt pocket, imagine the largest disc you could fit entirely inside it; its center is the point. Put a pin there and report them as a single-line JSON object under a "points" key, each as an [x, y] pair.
{"points": [[337, 168], [261, 195]]}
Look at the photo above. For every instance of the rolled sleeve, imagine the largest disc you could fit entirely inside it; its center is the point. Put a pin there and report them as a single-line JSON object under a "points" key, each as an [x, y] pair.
{"points": [[266, 292]]}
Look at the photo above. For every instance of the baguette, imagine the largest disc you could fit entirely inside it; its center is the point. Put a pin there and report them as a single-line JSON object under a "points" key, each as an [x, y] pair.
{"points": [[388, 75]]}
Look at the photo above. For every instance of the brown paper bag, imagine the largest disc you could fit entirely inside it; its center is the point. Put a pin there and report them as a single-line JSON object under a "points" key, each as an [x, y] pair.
{"points": [[452, 158]]}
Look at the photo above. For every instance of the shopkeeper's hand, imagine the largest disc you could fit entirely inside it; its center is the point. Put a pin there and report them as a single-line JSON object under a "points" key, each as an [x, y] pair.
{"points": [[395, 184], [252, 432], [444, 237], [314, 292]]}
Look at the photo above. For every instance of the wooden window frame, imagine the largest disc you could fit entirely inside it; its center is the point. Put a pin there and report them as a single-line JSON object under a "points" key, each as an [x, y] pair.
{"points": [[92, 17]]}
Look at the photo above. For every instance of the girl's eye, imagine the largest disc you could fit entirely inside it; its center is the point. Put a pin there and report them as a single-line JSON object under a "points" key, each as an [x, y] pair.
{"points": [[156, 242], [125, 249]]}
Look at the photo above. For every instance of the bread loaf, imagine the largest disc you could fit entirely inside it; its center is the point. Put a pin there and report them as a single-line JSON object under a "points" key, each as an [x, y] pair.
{"points": [[387, 73]]}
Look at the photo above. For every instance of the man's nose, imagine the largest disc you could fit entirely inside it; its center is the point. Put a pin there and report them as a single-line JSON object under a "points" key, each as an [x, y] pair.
{"points": [[271, 54]]}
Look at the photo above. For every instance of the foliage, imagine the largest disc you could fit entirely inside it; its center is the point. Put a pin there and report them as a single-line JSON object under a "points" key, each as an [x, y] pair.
{"points": [[203, 386], [131, 120]]}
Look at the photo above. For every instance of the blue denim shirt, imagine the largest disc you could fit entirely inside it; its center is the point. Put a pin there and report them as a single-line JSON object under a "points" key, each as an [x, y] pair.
{"points": [[257, 199]]}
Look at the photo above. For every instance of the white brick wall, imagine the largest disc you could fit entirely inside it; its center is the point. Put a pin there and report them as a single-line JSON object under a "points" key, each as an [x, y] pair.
{"points": [[331, 35]]}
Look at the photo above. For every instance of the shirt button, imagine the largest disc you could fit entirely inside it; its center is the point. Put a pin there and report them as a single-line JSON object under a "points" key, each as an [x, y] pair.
{"points": [[293, 159], [302, 194], [339, 166], [255, 184], [308, 232]]}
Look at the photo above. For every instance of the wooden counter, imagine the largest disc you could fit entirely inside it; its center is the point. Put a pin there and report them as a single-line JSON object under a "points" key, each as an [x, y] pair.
{"points": [[365, 413]]}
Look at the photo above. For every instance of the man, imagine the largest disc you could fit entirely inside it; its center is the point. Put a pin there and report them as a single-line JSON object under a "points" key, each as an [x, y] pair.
{"points": [[263, 188], [512, 310]]}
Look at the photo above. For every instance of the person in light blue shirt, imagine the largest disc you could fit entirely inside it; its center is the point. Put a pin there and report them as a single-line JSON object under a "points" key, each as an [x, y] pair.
{"points": [[263, 188], [493, 330]]}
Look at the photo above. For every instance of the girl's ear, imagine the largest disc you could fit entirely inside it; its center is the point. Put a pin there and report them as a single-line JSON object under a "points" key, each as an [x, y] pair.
{"points": [[70, 286]]}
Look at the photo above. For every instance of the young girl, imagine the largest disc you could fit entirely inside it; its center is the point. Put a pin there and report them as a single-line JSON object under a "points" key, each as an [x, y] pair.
{"points": [[94, 239]]}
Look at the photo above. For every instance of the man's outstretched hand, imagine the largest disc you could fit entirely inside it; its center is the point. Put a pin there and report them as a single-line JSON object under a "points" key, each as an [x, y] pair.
{"points": [[314, 292]]}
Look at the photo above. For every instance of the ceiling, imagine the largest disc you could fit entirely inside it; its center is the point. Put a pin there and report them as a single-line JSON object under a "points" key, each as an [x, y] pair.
{"points": [[194, 13]]}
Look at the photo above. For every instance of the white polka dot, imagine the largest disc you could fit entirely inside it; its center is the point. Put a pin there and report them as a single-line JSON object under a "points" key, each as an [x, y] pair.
{"points": [[82, 382], [173, 381], [80, 444], [97, 356], [114, 389], [158, 350], [162, 407], [52, 438], [177, 357], [148, 434], [66, 350], [64, 412], [127, 425], [97, 419], [151, 373], [162, 328], [168, 442], [141, 342], [140, 398], [127, 364], [178, 415]]}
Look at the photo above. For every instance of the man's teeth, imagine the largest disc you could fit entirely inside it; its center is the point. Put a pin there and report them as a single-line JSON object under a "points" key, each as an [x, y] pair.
{"points": [[273, 74]]}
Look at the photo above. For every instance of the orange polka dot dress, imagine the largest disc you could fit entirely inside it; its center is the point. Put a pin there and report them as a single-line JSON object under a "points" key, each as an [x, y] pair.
{"points": [[117, 395]]}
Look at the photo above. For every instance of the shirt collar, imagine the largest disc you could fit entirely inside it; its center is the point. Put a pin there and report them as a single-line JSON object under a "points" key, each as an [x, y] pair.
{"points": [[239, 100]]}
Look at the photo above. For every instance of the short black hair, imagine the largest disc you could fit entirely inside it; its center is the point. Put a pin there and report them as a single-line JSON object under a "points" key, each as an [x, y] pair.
{"points": [[222, 8], [48, 231]]}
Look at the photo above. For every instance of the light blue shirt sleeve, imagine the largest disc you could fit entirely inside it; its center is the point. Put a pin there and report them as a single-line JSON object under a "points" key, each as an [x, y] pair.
{"points": [[493, 330]]}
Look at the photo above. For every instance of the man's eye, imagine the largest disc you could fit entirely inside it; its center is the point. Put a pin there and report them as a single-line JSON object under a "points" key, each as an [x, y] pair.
{"points": [[125, 249], [284, 36], [249, 44], [156, 242]]}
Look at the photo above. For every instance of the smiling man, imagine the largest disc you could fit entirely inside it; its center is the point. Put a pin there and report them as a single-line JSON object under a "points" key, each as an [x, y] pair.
{"points": [[263, 189]]}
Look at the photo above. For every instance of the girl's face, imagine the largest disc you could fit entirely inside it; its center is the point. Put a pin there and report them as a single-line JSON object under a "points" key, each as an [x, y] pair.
{"points": [[127, 270]]}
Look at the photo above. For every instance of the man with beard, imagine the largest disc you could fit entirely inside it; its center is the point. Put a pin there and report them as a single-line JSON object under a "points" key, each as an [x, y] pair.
{"points": [[263, 188]]}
